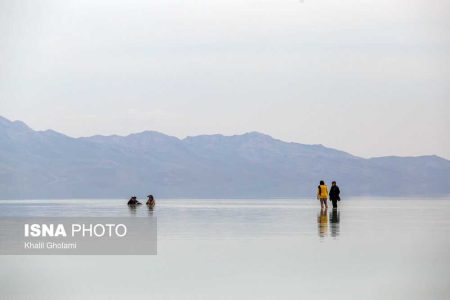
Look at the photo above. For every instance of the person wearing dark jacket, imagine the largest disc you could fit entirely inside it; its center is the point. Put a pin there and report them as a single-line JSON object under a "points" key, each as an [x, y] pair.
{"points": [[334, 194], [133, 201]]}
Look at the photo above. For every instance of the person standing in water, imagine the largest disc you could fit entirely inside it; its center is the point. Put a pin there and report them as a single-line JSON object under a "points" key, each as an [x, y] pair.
{"points": [[334, 194], [322, 194], [151, 201]]}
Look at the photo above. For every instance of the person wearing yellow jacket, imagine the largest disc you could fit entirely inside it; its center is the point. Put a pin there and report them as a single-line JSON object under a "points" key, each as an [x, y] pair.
{"points": [[322, 194]]}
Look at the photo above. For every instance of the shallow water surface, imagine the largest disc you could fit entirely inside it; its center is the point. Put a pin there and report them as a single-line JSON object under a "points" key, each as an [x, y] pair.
{"points": [[249, 249]]}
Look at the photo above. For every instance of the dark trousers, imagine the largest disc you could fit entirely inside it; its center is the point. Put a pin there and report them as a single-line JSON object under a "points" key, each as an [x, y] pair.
{"points": [[334, 203]]}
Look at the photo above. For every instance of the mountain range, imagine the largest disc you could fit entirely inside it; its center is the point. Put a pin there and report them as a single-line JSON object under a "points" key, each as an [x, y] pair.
{"points": [[48, 164]]}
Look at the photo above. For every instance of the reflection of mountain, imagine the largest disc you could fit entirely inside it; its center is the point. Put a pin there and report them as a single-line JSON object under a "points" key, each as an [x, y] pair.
{"points": [[47, 164]]}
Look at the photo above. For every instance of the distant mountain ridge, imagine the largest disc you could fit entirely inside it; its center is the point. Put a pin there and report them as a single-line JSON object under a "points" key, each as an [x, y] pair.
{"points": [[48, 164]]}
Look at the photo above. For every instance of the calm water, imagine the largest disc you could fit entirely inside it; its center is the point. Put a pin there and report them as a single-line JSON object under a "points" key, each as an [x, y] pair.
{"points": [[249, 249]]}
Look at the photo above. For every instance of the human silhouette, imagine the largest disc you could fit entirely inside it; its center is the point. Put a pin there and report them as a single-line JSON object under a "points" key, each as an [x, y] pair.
{"points": [[334, 194], [151, 201], [133, 201], [322, 194]]}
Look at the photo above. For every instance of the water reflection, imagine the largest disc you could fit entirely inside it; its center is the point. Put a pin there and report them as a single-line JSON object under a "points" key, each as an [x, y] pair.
{"points": [[150, 210], [334, 222], [322, 221], [132, 209]]}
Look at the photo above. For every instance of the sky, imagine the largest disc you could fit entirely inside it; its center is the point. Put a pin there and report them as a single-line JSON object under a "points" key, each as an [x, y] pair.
{"points": [[368, 77]]}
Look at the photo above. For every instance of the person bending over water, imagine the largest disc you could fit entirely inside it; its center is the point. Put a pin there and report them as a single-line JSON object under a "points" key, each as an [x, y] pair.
{"points": [[151, 201], [322, 194], [133, 201], [334, 194]]}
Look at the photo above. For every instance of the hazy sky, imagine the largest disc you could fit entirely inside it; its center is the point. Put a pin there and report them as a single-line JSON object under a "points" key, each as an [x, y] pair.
{"points": [[368, 77]]}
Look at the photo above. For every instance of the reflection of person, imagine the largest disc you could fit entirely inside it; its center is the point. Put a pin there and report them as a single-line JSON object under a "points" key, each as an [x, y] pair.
{"points": [[133, 201], [334, 194], [322, 221], [133, 209], [322, 194], [151, 201], [150, 211], [334, 223]]}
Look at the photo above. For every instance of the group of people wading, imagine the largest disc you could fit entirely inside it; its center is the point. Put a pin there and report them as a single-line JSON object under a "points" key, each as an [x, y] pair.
{"points": [[323, 194], [150, 202]]}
